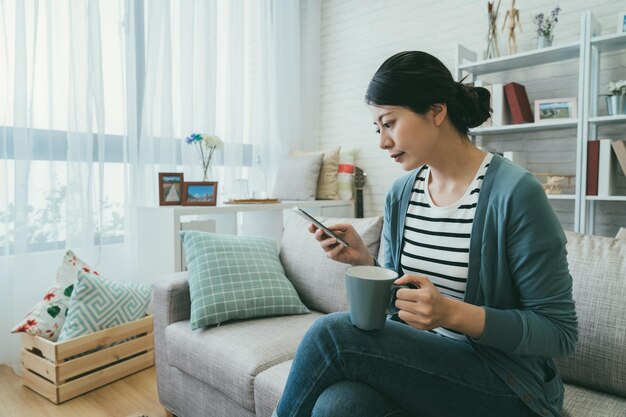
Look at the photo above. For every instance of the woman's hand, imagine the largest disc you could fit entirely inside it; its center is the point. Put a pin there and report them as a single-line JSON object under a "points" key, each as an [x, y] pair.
{"points": [[354, 254], [425, 308]]}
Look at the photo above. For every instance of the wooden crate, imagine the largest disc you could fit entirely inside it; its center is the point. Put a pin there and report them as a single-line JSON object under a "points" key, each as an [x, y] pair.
{"points": [[64, 370]]}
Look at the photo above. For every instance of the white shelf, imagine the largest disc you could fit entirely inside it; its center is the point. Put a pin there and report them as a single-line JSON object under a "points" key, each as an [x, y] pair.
{"points": [[608, 43], [606, 198], [561, 197], [608, 120], [524, 59], [525, 127]]}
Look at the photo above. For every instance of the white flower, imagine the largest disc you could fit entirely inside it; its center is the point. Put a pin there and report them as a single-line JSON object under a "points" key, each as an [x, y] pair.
{"points": [[617, 88], [211, 140]]}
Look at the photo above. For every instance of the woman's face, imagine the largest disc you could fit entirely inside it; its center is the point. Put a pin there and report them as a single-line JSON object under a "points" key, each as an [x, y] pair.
{"points": [[408, 137]]}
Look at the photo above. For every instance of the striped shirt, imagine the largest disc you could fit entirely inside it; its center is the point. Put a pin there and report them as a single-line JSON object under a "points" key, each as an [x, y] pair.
{"points": [[437, 239]]}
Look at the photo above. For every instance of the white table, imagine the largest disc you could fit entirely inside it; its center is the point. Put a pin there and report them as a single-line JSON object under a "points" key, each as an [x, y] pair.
{"points": [[160, 251]]}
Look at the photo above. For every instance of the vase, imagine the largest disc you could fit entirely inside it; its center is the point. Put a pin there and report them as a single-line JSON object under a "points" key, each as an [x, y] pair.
{"points": [[545, 41], [616, 105]]}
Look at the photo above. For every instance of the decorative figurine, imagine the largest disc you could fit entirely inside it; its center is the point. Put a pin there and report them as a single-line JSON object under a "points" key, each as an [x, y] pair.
{"points": [[553, 185], [492, 50], [513, 16]]}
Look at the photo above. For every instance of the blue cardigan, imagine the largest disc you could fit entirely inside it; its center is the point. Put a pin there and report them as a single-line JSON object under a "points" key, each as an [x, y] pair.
{"points": [[518, 273]]}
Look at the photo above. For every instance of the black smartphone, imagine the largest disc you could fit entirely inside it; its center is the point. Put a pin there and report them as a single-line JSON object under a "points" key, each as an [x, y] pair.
{"points": [[319, 224]]}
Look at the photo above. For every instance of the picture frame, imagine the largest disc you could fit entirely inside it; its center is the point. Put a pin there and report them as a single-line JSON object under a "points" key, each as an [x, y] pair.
{"points": [[621, 22], [555, 109], [170, 188], [200, 193]]}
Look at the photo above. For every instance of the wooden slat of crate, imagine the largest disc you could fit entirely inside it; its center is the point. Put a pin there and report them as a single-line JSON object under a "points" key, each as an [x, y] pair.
{"points": [[40, 385], [97, 379], [102, 338], [39, 365], [103, 357], [47, 348]]}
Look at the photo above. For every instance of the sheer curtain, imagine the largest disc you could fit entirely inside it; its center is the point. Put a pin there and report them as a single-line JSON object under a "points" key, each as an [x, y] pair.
{"points": [[98, 97]]}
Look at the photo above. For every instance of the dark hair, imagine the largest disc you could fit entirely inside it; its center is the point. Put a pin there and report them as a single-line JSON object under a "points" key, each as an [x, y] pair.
{"points": [[417, 80]]}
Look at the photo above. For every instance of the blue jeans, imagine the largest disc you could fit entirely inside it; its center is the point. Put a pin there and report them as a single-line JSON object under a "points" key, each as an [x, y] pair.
{"points": [[340, 371]]}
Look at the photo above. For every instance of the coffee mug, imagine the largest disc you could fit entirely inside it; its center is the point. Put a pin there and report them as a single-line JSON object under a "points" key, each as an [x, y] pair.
{"points": [[369, 291]]}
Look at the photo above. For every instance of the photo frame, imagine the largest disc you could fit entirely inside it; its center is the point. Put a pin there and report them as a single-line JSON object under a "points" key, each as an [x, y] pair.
{"points": [[170, 188], [555, 109], [200, 193], [621, 22]]}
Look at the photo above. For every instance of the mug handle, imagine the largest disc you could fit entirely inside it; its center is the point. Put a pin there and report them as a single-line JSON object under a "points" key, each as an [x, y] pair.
{"points": [[392, 309]]}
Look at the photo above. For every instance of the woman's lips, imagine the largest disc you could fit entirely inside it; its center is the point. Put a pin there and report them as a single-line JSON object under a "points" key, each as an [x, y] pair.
{"points": [[396, 156]]}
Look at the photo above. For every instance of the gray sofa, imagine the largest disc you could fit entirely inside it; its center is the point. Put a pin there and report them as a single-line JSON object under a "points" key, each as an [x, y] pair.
{"points": [[240, 367]]}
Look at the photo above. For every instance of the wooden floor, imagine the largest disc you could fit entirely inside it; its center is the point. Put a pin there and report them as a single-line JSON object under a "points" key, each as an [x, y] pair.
{"points": [[133, 396]]}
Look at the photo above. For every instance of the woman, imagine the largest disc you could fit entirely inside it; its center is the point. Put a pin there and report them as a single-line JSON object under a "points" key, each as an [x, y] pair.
{"points": [[478, 238]]}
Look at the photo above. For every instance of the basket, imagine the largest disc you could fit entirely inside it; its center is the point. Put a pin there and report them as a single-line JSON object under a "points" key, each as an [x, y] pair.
{"points": [[64, 370]]}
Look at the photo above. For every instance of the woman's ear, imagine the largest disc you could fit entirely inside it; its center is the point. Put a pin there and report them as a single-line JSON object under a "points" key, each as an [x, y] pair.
{"points": [[440, 110]]}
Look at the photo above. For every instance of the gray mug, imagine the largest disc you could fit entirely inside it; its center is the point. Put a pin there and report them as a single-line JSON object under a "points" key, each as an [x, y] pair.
{"points": [[369, 291]]}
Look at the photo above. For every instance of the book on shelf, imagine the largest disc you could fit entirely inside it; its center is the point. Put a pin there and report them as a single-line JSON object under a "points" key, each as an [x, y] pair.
{"points": [[593, 152], [619, 147], [519, 105], [606, 169], [500, 109]]}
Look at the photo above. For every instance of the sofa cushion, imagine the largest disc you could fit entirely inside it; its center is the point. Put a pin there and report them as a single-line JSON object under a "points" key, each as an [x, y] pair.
{"points": [[581, 402], [268, 388], [230, 356], [297, 177], [236, 277], [318, 279], [327, 181], [598, 268]]}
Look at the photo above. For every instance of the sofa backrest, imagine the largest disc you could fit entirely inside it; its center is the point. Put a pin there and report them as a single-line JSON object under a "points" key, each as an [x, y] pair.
{"points": [[598, 267], [318, 279]]}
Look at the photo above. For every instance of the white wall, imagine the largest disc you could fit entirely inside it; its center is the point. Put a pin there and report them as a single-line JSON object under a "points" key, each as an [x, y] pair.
{"points": [[358, 35]]}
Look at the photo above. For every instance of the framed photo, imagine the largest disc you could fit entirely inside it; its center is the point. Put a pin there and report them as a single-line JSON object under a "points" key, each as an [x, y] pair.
{"points": [[621, 22], [199, 193], [170, 188], [555, 109]]}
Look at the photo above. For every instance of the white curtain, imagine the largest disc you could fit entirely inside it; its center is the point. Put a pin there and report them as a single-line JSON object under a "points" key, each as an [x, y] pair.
{"points": [[97, 98]]}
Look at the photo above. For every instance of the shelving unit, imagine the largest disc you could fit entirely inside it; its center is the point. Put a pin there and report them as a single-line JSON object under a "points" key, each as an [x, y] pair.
{"points": [[587, 51]]}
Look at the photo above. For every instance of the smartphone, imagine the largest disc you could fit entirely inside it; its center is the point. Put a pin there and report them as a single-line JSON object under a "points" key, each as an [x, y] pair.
{"points": [[306, 216]]}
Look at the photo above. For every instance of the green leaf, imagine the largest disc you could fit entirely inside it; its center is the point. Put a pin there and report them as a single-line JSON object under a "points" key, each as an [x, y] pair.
{"points": [[54, 311], [68, 290]]}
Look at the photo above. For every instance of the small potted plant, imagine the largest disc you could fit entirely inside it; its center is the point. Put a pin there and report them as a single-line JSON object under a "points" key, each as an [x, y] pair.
{"points": [[545, 27], [206, 145], [616, 100]]}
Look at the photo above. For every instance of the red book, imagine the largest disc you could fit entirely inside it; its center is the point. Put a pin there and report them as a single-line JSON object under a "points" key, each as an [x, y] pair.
{"points": [[593, 156], [518, 103]]}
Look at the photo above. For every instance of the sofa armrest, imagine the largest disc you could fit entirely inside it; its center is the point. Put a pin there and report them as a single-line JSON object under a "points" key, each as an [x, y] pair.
{"points": [[170, 301]]}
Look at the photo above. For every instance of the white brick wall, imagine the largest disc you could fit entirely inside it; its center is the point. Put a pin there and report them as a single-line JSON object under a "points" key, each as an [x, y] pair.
{"points": [[358, 35]]}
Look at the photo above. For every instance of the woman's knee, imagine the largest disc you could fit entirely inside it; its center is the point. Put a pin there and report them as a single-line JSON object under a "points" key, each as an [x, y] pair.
{"points": [[349, 399]]}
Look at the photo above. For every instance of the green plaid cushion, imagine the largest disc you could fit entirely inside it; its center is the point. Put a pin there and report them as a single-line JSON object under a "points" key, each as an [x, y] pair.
{"points": [[236, 277]]}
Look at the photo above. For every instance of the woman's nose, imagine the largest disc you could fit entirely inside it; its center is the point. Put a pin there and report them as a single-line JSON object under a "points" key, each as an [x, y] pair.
{"points": [[385, 141]]}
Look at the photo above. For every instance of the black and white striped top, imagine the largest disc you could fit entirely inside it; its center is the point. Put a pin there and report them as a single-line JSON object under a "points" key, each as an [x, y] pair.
{"points": [[437, 239]]}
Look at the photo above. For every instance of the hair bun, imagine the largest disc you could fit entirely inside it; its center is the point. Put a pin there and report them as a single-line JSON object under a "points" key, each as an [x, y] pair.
{"points": [[475, 103]]}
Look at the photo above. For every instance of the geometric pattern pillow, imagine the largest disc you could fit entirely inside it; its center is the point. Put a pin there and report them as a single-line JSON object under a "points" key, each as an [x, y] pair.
{"points": [[97, 304], [236, 277], [46, 319]]}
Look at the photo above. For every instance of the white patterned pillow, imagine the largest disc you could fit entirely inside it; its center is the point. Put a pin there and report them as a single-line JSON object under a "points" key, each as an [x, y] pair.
{"points": [[98, 304], [46, 319]]}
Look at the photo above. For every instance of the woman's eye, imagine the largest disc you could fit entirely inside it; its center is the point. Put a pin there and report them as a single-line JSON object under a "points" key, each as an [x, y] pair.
{"points": [[387, 125]]}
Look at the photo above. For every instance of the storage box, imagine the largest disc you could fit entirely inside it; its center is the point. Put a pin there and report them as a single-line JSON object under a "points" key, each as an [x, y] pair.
{"points": [[64, 370]]}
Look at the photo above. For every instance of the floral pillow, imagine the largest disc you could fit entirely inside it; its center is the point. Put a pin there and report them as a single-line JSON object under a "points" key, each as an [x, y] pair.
{"points": [[46, 319]]}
